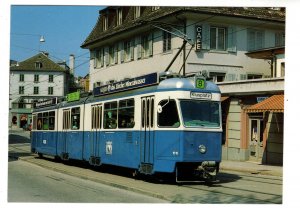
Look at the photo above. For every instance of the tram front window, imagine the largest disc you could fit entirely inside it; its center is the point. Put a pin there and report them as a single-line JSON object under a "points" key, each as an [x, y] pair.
{"points": [[198, 113]]}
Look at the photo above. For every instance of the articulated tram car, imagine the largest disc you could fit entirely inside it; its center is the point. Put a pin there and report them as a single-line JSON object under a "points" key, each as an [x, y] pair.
{"points": [[172, 126]]}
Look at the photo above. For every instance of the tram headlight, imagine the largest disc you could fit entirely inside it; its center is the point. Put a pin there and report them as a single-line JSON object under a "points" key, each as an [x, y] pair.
{"points": [[202, 149]]}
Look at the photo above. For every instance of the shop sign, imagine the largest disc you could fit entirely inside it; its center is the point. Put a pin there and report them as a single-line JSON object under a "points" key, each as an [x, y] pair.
{"points": [[198, 43], [133, 83]]}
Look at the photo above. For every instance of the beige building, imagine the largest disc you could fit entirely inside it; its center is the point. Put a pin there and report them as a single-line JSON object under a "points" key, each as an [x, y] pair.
{"points": [[240, 49]]}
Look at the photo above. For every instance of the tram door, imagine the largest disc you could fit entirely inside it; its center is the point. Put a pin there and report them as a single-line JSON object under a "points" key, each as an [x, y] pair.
{"points": [[256, 139], [66, 128], [147, 135], [95, 135]]}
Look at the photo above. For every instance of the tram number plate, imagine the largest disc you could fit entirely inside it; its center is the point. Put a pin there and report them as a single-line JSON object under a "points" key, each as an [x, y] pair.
{"points": [[204, 96]]}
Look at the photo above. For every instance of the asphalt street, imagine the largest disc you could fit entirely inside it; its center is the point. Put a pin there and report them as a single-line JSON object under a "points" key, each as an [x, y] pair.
{"points": [[240, 187]]}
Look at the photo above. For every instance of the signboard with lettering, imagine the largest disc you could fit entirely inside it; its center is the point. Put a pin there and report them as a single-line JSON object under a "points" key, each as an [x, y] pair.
{"points": [[129, 84], [198, 43], [73, 96], [45, 103]]}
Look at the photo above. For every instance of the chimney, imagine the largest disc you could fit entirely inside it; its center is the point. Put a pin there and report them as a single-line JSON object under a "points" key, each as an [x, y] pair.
{"points": [[46, 54], [72, 64]]}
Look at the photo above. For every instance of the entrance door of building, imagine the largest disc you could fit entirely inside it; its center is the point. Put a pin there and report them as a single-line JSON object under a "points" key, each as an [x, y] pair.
{"points": [[256, 138]]}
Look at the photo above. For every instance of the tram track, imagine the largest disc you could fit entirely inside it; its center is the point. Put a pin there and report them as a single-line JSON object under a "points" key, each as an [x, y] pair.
{"points": [[267, 180], [237, 194]]}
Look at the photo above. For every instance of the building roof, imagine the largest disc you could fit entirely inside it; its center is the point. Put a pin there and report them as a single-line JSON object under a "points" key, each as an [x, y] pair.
{"points": [[30, 64], [274, 103], [147, 15]]}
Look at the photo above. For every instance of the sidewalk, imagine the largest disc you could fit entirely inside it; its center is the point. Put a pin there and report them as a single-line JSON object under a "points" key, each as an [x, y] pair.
{"points": [[251, 167]]}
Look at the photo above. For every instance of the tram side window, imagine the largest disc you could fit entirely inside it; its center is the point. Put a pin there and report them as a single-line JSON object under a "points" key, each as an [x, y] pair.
{"points": [[96, 117], [126, 114], [51, 120], [75, 118], [110, 115], [45, 121], [169, 115], [34, 121], [39, 121]]}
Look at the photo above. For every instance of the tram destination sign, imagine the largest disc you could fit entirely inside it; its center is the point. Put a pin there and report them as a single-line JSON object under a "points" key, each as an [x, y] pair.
{"points": [[125, 85], [200, 95]]}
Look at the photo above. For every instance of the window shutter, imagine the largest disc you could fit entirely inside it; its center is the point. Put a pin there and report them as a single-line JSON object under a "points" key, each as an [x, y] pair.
{"points": [[206, 36], [231, 39], [107, 56], [122, 51], [251, 40], [101, 55], [132, 49], [139, 47], [150, 44], [116, 53], [93, 57], [260, 40]]}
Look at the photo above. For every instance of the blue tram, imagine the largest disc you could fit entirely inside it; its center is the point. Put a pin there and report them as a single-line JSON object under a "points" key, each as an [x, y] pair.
{"points": [[150, 126]]}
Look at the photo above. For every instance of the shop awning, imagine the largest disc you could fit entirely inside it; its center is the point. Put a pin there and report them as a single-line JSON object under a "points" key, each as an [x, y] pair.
{"points": [[274, 103], [224, 98]]}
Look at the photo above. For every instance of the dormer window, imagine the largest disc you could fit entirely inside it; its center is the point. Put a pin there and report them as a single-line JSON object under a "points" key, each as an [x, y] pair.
{"points": [[38, 65], [105, 22], [119, 16], [155, 8], [137, 12]]}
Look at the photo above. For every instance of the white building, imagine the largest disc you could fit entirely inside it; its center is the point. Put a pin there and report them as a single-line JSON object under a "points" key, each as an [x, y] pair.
{"points": [[133, 41], [34, 79]]}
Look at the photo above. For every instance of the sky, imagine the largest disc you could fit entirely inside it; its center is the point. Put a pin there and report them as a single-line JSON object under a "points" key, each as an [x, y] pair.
{"points": [[64, 29]]}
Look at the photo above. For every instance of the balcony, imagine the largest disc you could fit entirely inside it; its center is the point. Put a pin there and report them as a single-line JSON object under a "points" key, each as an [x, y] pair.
{"points": [[253, 86]]}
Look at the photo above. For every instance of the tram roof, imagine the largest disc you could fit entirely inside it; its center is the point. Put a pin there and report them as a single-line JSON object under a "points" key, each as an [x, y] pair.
{"points": [[172, 84]]}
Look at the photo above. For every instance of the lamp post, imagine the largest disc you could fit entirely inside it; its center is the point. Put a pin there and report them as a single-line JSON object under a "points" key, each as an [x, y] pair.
{"points": [[42, 40]]}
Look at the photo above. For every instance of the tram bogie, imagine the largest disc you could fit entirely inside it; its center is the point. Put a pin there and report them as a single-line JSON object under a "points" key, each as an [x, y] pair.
{"points": [[173, 126]]}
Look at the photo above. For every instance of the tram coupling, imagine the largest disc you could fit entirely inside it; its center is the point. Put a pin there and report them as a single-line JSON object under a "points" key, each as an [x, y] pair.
{"points": [[208, 170], [192, 172]]}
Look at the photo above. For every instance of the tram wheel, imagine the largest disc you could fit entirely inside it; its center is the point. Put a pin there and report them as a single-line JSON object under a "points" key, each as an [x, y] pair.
{"points": [[40, 155]]}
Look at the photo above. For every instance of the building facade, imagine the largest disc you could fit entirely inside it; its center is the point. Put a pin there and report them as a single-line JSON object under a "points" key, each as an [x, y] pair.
{"points": [[35, 79], [241, 49], [133, 41]]}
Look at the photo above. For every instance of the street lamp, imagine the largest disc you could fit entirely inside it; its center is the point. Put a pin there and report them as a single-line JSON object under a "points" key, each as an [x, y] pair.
{"points": [[42, 40]]}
